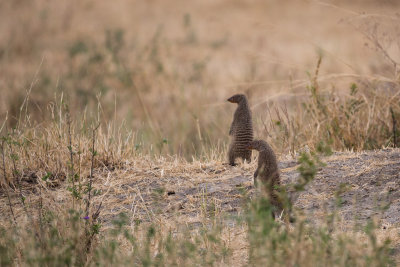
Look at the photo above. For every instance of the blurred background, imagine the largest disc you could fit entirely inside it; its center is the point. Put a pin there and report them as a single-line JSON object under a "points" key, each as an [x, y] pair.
{"points": [[315, 72]]}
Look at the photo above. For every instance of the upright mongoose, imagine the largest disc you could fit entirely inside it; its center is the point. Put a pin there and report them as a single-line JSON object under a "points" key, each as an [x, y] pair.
{"points": [[241, 130], [268, 173]]}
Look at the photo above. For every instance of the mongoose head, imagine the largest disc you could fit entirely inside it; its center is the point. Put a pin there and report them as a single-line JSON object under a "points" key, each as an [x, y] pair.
{"points": [[237, 98], [256, 145]]}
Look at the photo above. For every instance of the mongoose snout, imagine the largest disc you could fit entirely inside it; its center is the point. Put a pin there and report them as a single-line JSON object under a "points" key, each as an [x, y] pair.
{"points": [[237, 98], [231, 99], [251, 145]]}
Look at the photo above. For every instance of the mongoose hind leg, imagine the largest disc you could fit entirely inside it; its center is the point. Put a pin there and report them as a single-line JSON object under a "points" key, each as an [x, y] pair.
{"points": [[277, 207], [231, 156]]}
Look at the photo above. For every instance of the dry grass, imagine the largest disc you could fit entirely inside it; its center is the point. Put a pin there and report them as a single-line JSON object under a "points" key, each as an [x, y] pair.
{"points": [[200, 202], [154, 76]]}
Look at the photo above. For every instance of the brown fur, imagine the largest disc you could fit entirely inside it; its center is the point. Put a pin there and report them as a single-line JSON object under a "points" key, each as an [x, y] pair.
{"points": [[267, 173], [241, 130]]}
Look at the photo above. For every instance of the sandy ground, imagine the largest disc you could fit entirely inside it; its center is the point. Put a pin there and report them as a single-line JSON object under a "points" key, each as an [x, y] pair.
{"points": [[368, 181]]}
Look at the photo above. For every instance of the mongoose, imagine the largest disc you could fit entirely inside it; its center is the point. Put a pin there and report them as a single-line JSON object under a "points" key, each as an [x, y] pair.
{"points": [[241, 130], [268, 173]]}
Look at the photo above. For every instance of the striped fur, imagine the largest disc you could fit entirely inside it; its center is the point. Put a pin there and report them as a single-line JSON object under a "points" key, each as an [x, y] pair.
{"points": [[241, 130]]}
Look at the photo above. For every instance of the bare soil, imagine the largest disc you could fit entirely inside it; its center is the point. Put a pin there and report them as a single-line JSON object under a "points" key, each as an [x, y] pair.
{"points": [[357, 186]]}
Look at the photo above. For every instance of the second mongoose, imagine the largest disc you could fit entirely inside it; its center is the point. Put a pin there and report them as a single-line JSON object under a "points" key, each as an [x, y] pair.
{"points": [[241, 130], [268, 173]]}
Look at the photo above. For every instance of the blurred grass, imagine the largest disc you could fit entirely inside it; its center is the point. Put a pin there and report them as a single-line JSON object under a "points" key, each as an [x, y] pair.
{"points": [[168, 80]]}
